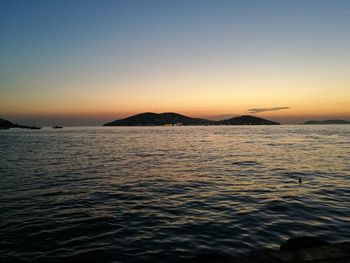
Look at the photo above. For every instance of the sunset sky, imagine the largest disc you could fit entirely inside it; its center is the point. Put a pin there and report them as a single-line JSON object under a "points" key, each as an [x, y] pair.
{"points": [[88, 62]]}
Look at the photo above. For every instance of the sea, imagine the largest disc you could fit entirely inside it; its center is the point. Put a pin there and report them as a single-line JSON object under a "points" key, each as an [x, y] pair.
{"points": [[168, 194]]}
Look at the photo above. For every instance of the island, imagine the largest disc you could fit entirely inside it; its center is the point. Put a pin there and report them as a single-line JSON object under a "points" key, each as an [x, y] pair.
{"points": [[247, 120], [328, 122], [5, 125], [154, 119], [175, 119]]}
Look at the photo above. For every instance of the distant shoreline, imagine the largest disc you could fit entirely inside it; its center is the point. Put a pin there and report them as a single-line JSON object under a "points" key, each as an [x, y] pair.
{"points": [[5, 124], [325, 122]]}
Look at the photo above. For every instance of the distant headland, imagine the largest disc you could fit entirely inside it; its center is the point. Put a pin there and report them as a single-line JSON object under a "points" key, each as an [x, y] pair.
{"points": [[175, 119], [5, 124], [328, 122]]}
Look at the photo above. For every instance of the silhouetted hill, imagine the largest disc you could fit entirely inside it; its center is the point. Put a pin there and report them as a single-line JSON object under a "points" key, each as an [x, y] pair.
{"points": [[328, 122], [247, 120], [5, 124], [154, 119]]}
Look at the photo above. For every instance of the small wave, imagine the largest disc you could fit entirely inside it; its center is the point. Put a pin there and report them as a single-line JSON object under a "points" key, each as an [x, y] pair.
{"points": [[152, 195]]}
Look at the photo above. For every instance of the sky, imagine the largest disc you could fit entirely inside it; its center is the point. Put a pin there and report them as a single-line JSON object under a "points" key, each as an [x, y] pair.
{"points": [[88, 62]]}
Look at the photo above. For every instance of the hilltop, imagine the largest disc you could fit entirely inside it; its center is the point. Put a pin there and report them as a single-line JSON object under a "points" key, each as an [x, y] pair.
{"points": [[247, 120], [154, 119], [170, 118]]}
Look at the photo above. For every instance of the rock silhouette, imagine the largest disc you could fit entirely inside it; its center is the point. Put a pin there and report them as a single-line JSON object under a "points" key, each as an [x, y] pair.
{"points": [[294, 250], [296, 243]]}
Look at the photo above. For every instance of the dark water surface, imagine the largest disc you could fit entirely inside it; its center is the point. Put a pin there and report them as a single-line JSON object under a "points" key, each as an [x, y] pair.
{"points": [[168, 193]]}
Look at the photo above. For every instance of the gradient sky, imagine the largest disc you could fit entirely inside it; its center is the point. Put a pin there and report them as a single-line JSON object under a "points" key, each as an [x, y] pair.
{"points": [[87, 62]]}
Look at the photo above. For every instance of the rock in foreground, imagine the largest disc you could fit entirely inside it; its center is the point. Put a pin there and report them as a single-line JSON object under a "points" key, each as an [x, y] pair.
{"points": [[295, 250]]}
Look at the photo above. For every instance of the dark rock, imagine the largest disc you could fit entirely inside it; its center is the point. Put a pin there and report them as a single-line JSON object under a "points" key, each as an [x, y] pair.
{"points": [[295, 250], [296, 243]]}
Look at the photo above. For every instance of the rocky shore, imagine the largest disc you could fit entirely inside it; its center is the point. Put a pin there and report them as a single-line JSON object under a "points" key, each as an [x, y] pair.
{"points": [[294, 250]]}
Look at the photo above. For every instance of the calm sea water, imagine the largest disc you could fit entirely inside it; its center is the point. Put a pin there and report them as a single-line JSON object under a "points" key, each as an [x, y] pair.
{"points": [[162, 194]]}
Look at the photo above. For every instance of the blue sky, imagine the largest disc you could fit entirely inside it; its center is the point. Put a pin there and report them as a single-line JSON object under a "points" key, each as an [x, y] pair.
{"points": [[112, 58]]}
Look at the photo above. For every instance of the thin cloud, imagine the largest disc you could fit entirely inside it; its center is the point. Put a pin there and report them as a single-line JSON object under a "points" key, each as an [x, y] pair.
{"points": [[267, 109]]}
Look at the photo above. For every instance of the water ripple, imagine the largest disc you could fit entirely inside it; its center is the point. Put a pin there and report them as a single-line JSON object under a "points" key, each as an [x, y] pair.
{"points": [[160, 194]]}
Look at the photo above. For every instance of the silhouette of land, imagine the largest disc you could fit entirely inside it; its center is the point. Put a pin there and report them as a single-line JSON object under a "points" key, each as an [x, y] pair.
{"points": [[328, 122], [247, 120], [5, 124], [175, 119]]}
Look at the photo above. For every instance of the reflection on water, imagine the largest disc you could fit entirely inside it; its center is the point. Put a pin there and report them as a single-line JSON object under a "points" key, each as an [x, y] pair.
{"points": [[166, 193]]}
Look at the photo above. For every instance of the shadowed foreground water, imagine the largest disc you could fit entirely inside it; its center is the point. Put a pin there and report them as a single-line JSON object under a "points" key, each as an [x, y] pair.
{"points": [[157, 194]]}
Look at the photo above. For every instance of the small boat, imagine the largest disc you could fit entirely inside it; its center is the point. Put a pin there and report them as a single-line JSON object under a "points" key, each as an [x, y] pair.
{"points": [[57, 127]]}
